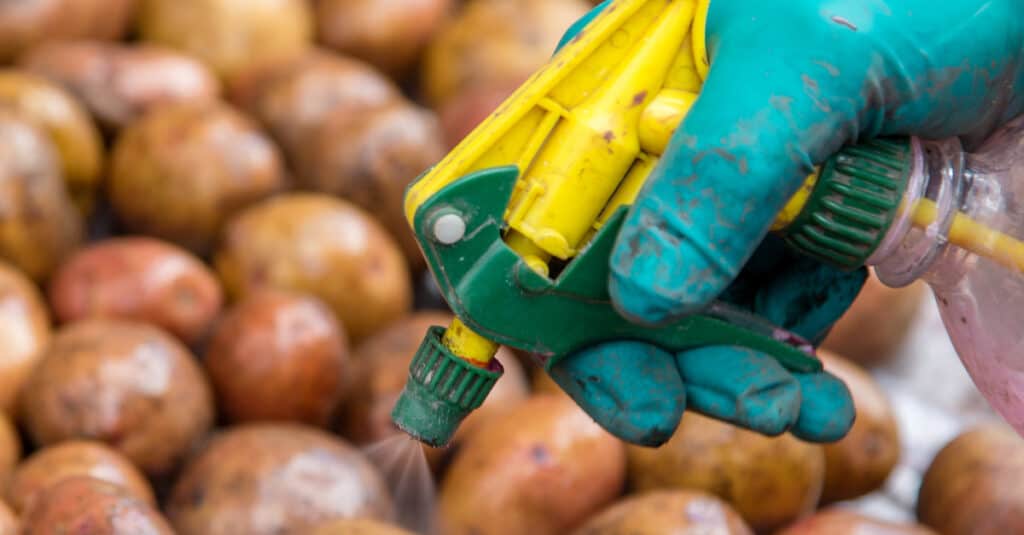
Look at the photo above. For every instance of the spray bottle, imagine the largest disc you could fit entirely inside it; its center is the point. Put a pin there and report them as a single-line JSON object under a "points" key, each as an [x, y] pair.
{"points": [[518, 221]]}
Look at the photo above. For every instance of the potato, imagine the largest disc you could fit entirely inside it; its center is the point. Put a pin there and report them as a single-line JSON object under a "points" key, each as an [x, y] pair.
{"points": [[358, 526], [24, 23], [861, 462], [544, 467], [770, 481], [278, 479], [229, 35], [125, 383], [324, 246], [383, 362], [84, 505], [973, 485], [278, 356], [39, 225], [24, 333], [662, 512], [182, 170], [118, 83], [68, 125], [370, 158], [292, 98], [138, 278], [463, 113], [843, 522], [495, 42], [9, 524], [51, 465], [10, 448], [879, 320], [390, 35]]}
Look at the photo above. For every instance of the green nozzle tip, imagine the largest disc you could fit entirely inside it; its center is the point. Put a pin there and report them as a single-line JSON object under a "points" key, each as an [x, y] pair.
{"points": [[441, 391], [856, 199]]}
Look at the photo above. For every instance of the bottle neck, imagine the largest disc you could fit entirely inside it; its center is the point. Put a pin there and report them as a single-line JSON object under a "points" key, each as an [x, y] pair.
{"points": [[918, 239]]}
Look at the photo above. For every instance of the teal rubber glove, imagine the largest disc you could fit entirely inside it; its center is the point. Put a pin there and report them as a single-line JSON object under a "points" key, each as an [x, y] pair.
{"points": [[790, 83]]}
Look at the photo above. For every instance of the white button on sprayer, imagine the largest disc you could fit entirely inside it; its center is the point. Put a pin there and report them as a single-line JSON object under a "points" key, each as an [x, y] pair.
{"points": [[449, 229]]}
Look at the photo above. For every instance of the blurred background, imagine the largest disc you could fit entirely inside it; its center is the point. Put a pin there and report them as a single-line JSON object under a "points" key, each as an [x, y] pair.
{"points": [[209, 298]]}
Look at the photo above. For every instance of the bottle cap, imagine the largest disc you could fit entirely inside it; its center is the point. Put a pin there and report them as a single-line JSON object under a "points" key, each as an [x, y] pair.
{"points": [[441, 391], [855, 200]]}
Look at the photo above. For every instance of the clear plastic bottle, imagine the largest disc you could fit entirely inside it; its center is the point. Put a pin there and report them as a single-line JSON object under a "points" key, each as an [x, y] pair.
{"points": [[960, 228]]}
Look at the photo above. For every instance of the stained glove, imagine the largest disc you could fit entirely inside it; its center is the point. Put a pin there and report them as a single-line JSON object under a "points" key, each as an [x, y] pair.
{"points": [[789, 84]]}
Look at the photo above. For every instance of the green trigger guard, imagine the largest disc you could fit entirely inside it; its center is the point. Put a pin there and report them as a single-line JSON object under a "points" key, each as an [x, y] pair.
{"points": [[492, 290]]}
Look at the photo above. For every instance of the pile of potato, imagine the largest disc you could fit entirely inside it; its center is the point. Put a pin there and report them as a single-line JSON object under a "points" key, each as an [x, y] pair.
{"points": [[209, 297]]}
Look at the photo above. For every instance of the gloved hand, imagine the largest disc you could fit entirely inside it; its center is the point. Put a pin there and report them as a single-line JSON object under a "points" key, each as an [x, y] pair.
{"points": [[789, 84]]}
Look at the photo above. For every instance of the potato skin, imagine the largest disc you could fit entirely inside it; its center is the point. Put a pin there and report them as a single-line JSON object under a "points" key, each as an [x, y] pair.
{"points": [[83, 504], [181, 171], [279, 479], [49, 466], [661, 512], [543, 468], [861, 462], [128, 384], [769, 481], [464, 112], [843, 522], [9, 524], [358, 526], [138, 278], [24, 23], [24, 333], [390, 35], [495, 41], [68, 125], [119, 83], [229, 35], [324, 246], [10, 449], [973, 485], [41, 225], [278, 356]]}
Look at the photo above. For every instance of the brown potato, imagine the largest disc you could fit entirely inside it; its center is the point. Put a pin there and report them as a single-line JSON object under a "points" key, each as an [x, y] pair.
{"points": [[51, 465], [463, 113], [182, 170], [138, 278], [370, 158], [877, 323], [662, 512], [119, 83], [128, 384], [382, 364], [278, 479], [9, 524], [24, 333], [68, 125], [229, 35], [543, 468], [973, 487], [39, 225], [390, 35], [292, 98], [495, 42], [358, 526], [278, 356], [843, 522], [10, 448], [770, 481], [324, 246], [861, 462], [24, 23], [84, 505]]}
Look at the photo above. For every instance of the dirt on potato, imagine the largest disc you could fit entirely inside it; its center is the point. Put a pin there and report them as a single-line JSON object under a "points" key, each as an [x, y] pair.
{"points": [[24, 333], [275, 479], [82, 504]]}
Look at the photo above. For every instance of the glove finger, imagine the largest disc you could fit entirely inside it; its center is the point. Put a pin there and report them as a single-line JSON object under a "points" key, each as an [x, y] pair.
{"points": [[827, 412], [740, 386], [631, 389], [747, 144]]}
